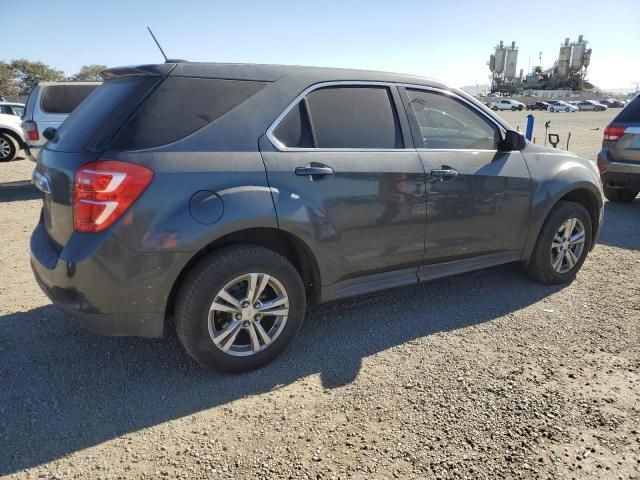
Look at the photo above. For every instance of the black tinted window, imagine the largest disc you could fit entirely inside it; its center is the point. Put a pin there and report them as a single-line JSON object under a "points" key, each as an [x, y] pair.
{"points": [[354, 117], [179, 107], [64, 98], [102, 113], [295, 130], [447, 123], [630, 113]]}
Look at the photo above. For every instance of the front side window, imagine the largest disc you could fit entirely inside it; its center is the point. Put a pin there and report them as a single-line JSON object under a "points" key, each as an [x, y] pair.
{"points": [[342, 117], [447, 123]]}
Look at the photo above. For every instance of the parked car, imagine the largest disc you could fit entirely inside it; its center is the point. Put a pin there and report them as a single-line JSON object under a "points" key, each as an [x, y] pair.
{"points": [[612, 103], [619, 159], [229, 196], [507, 105], [47, 106], [538, 106], [561, 106], [591, 105], [11, 139]]}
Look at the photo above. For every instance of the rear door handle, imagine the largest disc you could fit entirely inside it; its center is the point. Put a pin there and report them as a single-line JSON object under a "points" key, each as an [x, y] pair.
{"points": [[444, 172], [314, 170]]}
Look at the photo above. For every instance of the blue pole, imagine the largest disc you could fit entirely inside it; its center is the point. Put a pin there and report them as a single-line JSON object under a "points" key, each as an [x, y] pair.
{"points": [[529, 133]]}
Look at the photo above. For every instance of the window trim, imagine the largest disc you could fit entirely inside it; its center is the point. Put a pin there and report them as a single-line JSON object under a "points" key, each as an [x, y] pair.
{"points": [[441, 91], [408, 146]]}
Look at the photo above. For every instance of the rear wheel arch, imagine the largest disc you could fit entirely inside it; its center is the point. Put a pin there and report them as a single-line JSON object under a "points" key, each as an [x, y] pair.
{"points": [[286, 244]]}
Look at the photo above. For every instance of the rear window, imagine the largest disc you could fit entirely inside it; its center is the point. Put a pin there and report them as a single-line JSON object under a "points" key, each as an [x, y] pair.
{"points": [[179, 107], [98, 117], [63, 99], [630, 113]]}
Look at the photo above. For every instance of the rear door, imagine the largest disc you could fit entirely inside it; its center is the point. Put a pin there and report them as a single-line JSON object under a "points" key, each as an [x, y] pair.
{"points": [[347, 179], [478, 198]]}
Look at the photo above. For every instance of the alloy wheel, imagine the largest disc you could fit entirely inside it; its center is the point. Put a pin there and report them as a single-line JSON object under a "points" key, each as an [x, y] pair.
{"points": [[568, 245], [248, 314], [5, 148]]}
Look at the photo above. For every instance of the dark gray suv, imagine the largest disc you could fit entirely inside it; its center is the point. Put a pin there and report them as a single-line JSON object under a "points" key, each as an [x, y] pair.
{"points": [[228, 196], [619, 159]]}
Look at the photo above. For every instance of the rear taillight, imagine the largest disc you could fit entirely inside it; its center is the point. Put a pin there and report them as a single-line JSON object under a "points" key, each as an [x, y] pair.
{"points": [[613, 133], [104, 190], [31, 129]]}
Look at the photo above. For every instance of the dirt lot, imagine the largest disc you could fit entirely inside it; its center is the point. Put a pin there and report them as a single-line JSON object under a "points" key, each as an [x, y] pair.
{"points": [[485, 375]]}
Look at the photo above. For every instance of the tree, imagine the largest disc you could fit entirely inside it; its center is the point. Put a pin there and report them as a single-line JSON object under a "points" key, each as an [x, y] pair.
{"points": [[30, 73], [8, 83], [90, 73]]}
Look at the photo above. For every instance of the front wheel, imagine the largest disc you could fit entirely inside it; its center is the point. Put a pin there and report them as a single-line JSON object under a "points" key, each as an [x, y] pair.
{"points": [[562, 245], [619, 195], [239, 308], [513, 109], [495, 109], [566, 109], [551, 110]]}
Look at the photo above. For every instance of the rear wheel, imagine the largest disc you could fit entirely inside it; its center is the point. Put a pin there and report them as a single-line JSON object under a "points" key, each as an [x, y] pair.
{"points": [[551, 109], [495, 109], [239, 308], [562, 245], [566, 109], [8, 148], [513, 109], [620, 195]]}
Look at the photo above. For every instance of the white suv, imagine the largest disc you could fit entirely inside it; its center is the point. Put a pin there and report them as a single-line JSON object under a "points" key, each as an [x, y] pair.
{"points": [[47, 106], [507, 105], [11, 139]]}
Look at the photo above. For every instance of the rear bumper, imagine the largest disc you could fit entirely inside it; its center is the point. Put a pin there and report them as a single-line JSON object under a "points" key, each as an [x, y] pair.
{"points": [[107, 287], [616, 174]]}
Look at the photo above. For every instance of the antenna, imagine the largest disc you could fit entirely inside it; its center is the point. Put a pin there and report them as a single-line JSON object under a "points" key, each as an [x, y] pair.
{"points": [[158, 44]]}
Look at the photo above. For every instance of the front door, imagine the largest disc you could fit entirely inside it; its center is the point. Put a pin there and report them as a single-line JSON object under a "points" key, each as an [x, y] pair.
{"points": [[478, 198], [344, 179]]}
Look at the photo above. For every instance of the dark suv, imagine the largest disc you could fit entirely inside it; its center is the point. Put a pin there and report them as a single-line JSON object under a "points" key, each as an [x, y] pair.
{"points": [[228, 196], [619, 159]]}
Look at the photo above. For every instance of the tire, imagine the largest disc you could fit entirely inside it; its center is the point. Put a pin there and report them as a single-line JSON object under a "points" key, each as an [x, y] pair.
{"points": [[201, 287], [540, 264], [8, 148], [619, 195], [567, 109], [513, 109], [495, 109], [552, 110]]}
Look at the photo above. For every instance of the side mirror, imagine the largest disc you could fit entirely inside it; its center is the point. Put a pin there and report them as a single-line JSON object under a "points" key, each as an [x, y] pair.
{"points": [[512, 141], [49, 133]]}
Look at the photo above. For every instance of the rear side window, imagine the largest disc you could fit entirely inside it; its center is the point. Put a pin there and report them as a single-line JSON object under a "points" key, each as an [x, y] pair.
{"points": [[295, 128], [630, 113], [343, 117], [179, 107], [63, 99]]}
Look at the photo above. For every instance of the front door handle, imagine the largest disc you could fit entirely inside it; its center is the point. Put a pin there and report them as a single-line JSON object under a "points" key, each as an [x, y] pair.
{"points": [[314, 170], [444, 172]]}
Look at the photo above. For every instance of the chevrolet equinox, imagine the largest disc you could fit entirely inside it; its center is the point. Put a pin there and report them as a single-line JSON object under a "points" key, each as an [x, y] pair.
{"points": [[228, 196]]}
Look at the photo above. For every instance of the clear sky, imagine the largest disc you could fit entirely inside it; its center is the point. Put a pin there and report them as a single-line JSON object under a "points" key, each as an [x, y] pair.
{"points": [[447, 40]]}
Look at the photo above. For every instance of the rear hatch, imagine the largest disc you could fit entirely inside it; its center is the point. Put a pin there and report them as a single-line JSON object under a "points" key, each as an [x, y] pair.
{"points": [[622, 137], [81, 139]]}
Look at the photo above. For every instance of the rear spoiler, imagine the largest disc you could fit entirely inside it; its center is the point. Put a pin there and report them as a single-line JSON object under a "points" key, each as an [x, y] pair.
{"points": [[157, 70]]}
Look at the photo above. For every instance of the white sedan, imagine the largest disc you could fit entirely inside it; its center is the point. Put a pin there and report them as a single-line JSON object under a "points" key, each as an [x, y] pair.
{"points": [[562, 107], [512, 105]]}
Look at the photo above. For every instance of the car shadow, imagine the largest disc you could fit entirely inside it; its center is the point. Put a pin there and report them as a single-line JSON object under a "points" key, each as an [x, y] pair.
{"points": [[621, 227], [63, 389], [18, 191]]}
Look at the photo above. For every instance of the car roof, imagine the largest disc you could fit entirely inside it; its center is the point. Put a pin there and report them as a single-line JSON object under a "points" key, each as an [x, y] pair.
{"points": [[271, 73]]}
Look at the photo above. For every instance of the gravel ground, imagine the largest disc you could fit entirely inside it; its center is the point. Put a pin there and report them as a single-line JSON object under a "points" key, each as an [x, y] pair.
{"points": [[484, 375]]}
